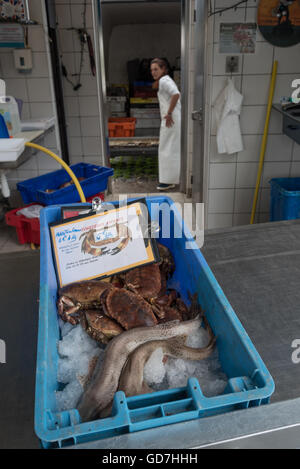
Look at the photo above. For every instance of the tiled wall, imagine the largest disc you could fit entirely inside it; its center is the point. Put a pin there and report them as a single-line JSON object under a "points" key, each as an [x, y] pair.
{"points": [[82, 113], [232, 178], [35, 89]]}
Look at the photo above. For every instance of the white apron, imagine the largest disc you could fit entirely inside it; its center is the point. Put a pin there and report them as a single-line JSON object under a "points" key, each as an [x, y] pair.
{"points": [[169, 137]]}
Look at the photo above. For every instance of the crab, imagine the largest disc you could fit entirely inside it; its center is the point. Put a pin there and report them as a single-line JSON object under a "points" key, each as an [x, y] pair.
{"points": [[150, 282], [100, 327], [127, 308], [78, 297], [136, 298], [103, 310]]}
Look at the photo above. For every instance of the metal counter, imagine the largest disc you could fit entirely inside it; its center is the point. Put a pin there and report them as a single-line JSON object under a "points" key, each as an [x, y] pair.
{"points": [[258, 267]]}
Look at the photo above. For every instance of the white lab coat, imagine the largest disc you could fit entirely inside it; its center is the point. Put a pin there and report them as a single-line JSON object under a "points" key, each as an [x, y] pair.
{"points": [[169, 137], [227, 108]]}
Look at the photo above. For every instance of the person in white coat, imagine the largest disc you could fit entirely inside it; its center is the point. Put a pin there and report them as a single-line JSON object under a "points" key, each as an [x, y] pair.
{"points": [[170, 130]]}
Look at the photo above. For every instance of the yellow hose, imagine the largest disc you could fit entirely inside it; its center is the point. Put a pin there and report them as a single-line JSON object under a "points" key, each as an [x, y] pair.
{"points": [[64, 165], [264, 140]]}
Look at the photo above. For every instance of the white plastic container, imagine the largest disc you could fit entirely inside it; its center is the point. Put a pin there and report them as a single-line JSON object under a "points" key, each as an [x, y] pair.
{"points": [[10, 112], [11, 149], [116, 104]]}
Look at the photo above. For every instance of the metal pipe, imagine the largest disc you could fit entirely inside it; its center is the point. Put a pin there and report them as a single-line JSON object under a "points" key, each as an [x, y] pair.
{"points": [[27, 11], [101, 82]]}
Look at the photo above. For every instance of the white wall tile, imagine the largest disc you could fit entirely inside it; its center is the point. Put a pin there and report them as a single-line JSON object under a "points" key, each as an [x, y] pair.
{"points": [[40, 65], [274, 170], [88, 106], [241, 219], [219, 220], [246, 175], [279, 148], [91, 145], [71, 106], [90, 126], [75, 146], [253, 119], [41, 110], [17, 87], [37, 38], [243, 200], [255, 89], [221, 200], [261, 62], [296, 152], [288, 59], [251, 152], [77, 16], [229, 16], [39, 90], [222, 175], [295, 169], [73, 126], [63, 14]]}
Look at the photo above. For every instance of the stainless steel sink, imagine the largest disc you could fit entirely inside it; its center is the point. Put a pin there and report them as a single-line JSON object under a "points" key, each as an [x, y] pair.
{"points": [[290, 120]]}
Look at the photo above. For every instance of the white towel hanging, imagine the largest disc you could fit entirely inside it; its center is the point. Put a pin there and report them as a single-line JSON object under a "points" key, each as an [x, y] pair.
{"points": [[227, 108]]}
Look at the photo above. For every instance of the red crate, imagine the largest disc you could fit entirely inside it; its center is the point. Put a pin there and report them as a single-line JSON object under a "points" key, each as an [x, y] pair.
{"points": [[121, 126], [28, 229], [100, 195]]}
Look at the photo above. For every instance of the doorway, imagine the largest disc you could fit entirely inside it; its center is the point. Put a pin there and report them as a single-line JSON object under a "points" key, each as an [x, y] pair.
{"points": [[130, 34]]}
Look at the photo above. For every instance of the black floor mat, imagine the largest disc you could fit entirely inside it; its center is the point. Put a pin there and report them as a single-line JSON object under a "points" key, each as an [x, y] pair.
{"points": [[19, 280]]}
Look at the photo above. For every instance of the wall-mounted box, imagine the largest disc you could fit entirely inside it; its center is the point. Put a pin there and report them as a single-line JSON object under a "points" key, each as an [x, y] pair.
{"points": [[23, 59]]}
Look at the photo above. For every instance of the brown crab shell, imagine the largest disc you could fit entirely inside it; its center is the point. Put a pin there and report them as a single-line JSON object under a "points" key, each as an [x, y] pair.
{"points": [[171, 314], [99, 326], [145, 280], [87, 293], [128, 309], [167, 263]]}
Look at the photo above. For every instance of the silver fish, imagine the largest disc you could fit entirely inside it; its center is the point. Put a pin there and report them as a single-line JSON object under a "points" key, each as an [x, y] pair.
{"points": [[105, 380]]}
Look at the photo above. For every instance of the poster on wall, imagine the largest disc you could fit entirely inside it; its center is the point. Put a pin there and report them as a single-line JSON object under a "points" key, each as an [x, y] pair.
{"points": [[101, 245], [237, 38], [12, 35], [12, 10]]}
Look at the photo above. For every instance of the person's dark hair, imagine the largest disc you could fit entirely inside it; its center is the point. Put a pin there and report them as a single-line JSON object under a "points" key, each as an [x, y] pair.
{"points": [[162, 63]]}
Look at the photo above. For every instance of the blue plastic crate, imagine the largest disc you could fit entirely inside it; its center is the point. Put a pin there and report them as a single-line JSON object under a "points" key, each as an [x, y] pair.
{"points": [[249, 381], [96, 179], [285, 199]]}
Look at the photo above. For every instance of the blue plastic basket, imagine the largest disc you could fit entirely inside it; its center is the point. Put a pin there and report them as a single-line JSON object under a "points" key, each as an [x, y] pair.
{"points": [[249, 381], [285, 199], [96, 179]]}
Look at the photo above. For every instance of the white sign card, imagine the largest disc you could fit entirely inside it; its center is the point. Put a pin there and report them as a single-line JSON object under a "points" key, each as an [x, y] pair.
{"points": [[100, 245]]}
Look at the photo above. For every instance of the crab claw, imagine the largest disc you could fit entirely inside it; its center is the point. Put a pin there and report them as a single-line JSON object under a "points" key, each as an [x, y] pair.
{"points": [[66, 308]]}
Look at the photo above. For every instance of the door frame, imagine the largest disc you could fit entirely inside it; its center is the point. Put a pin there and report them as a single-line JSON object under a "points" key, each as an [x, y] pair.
{"points": [[199, 163], [186, 7]]}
